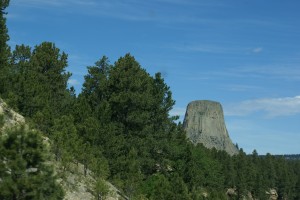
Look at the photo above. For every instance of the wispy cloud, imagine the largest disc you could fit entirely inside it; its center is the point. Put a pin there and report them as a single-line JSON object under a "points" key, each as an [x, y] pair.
{"points": [[204, 48], [160, 11], [13, 16], [129, 10], [215, 49], [272, 72], [132, 10], [275, 71], [178, 111], [73, 82], [257, 50], [119, 3], [38, 3], [271, 107], [54, 3], [240, 88], [192, 2]]}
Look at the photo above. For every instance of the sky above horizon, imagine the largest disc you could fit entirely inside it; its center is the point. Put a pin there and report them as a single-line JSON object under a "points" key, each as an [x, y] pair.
{"points": [[243, 54]]}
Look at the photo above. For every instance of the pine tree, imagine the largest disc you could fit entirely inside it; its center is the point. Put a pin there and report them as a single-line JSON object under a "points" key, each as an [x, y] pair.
{"points": [[65, 140], [131, 96], [241, 169], [45, 88], [101, 189], [94, 89], [24, 172], [19, 67], [4, 50], [157, 187]]}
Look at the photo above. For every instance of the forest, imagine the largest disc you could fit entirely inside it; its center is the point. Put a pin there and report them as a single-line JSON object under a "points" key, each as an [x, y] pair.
{"points": [[118, 126]]}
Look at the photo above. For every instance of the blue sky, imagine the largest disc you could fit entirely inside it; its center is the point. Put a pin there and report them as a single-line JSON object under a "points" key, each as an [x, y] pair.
{"points": [[244, 54]]}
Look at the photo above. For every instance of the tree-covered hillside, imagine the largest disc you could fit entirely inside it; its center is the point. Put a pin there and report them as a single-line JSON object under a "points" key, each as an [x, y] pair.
{"points": [[120, 129]]}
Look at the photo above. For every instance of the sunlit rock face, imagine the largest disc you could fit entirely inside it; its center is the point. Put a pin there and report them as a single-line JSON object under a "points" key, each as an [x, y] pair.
{"points": [[10, 118], [204, 123]]}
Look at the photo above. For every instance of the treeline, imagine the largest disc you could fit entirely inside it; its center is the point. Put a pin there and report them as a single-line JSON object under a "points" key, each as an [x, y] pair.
{"points": [[120, 129], [290, 156]]}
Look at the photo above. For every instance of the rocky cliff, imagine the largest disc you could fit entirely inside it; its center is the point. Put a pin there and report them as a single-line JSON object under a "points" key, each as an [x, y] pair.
{"points": [[204, 123], [9, 118]]}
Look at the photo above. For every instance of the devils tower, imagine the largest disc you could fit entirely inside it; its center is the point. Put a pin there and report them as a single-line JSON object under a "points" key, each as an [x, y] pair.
{"points": [[204, 123]]}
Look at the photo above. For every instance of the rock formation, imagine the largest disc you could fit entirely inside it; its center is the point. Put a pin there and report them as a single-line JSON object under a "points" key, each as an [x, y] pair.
{"points": [[272, 193], [10, 117], [204, 123]]}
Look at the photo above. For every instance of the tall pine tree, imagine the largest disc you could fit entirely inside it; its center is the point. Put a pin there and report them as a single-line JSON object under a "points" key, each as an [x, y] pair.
{"points": [[46, 95], [4, 49], [19, 71]]}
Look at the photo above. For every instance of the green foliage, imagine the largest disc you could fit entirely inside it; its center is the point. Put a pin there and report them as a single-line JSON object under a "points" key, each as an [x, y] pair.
{"points": [[1, 120], [24, 173], [179, 187], [65, 140], [68, 147], [98, 164], [202, 170], [39, 83], [18, 71], [4, 49], [157, 187], [101, 189]]}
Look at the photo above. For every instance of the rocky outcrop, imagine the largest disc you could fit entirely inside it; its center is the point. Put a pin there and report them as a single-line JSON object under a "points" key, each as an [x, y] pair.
{"points": [[77, 186], [272, 194], [10, 118], [204, 123], [232, 193]]}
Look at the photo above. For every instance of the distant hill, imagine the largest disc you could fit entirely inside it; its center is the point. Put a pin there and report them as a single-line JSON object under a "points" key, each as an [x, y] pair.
{"points": [[287, 156], [290, 156]]}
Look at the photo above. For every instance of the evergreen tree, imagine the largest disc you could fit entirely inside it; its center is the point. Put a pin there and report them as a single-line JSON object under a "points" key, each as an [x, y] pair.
{"points": [[297, 173], [65, 140], [101, 189], [94, 89], [179, 188], [131, 96], [46, 86], [241, 169], [157, 187], [24, 172], [270, 171], [18, 72], [95, 81], [4, 50]]}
